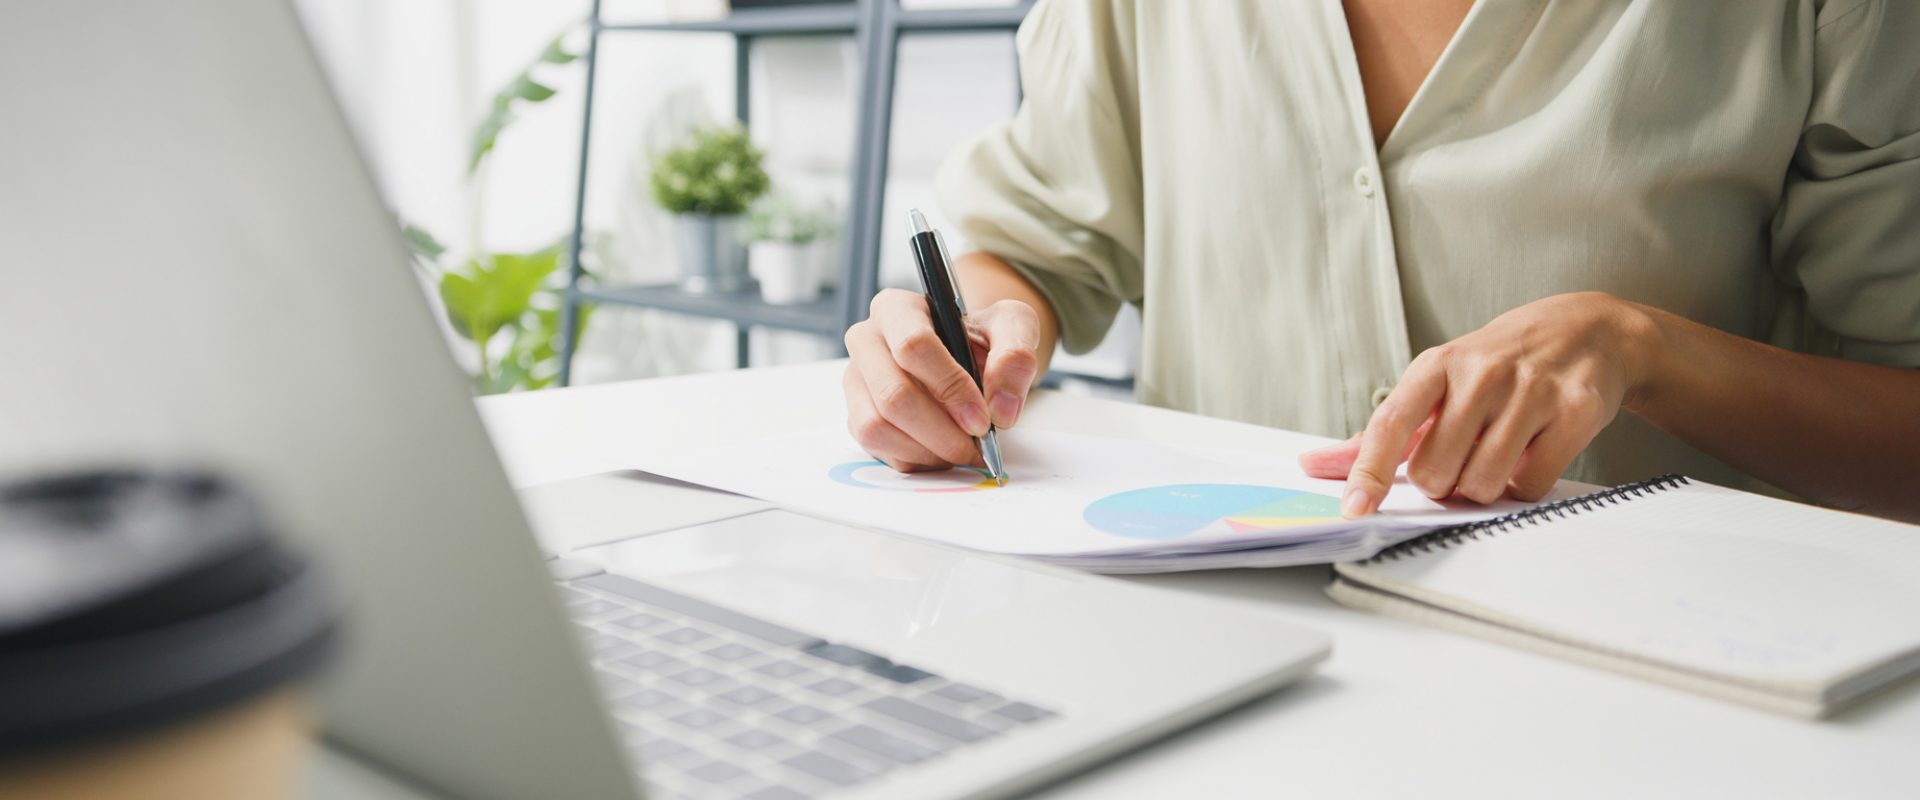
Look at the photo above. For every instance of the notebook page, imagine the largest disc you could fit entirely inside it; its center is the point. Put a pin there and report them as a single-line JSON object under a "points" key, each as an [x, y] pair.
{"points": [[1698, 576]]}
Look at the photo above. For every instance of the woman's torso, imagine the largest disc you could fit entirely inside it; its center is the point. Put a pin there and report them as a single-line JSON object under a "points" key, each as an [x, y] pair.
{"points": [[1291, 270]]}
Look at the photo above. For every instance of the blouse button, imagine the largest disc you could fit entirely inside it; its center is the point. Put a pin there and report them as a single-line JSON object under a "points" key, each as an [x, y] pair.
{"points": [[1380, 395], [1363, 182]]}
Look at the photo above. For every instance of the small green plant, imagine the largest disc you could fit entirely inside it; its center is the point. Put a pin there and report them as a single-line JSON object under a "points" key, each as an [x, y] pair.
{"points": [[778, 217], [507, 304], [716, 172]]}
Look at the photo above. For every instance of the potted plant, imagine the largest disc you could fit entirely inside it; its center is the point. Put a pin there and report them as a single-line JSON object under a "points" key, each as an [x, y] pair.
{"points": [[784, 239], [707, 184]]}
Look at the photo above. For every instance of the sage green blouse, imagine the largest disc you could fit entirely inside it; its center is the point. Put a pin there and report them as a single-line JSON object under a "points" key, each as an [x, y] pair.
{"points": [[1751, 165]]}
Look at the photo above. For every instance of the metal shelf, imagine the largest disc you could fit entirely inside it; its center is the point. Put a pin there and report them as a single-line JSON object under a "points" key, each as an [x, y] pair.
{"points": [[823, 18], [964, 19], [822, 317], [876, 26], [837, 18]]}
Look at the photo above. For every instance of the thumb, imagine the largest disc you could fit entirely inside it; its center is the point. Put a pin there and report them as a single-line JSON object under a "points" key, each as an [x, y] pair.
{"points": [[1013, 360], [1334, 461]]}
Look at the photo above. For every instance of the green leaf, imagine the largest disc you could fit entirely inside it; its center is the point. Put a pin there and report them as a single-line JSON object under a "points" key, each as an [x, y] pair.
{"points": [[466, 302], [423, 243], [495, 291], [556, 52], [487, 133], [528, 89]]}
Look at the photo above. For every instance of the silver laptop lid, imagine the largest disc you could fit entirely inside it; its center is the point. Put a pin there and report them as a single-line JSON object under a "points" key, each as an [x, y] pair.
{"points": [[198, 268]]}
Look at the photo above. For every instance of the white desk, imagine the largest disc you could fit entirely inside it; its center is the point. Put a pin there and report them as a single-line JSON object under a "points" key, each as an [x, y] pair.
{"points": [[1399, 710]]}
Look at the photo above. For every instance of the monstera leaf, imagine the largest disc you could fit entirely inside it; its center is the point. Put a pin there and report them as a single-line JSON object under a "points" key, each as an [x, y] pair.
{"points": [[495, 291]]}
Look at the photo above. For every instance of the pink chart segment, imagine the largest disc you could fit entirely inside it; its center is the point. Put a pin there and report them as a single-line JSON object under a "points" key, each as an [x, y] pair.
{"points": [[876, 475]]}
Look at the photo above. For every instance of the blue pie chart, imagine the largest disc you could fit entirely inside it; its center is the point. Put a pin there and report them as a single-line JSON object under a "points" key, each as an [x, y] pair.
{"points": [[1171, 512]]}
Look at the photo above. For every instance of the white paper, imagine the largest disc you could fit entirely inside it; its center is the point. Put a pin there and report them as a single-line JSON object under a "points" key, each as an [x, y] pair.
{"points": [[1087, 500]]}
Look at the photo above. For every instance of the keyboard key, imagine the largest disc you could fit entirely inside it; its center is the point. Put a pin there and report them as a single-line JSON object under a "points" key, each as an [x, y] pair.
{"points": [[698, 676], [962, 693], [731, 651], [899, 673], [748, 696], [639, 621], [646, 699], [803, 715], [868, 662], [699, 609], [1022, 712], [939, 722], [775, 793], [783, 669], [874, 740], [651, 660], [716, 772], [683, 635], [699, 718], [660, 750], [754, 739], [844, 654], [828, 768], [834, 687]]}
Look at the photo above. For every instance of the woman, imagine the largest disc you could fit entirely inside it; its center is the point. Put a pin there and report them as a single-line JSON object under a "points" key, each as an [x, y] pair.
{"points": [[1467, 234]]}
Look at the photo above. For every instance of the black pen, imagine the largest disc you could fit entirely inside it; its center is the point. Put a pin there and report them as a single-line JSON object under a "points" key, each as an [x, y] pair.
{"points": [[949, 312]]}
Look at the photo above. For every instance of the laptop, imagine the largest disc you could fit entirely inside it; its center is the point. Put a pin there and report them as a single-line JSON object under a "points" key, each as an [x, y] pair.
{"points": [[199, 269]]}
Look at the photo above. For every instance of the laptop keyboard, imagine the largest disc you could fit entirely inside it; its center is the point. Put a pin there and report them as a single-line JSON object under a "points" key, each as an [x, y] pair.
{"points": [[715, 703]]}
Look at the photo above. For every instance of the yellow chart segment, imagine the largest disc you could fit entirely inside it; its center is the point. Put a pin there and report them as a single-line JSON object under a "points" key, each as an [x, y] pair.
{"points": [[1270, 523]]}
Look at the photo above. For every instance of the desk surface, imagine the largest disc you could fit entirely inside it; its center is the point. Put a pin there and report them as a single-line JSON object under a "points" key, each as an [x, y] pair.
{"points": [[1399, 709]]}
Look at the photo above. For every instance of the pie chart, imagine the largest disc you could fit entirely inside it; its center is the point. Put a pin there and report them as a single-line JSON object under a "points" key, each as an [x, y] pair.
{"points": [[877, 475], [1171, 512]]}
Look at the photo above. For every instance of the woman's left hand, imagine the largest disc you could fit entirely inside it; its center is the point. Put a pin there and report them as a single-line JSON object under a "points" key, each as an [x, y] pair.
{"points": [[1503, 410]]}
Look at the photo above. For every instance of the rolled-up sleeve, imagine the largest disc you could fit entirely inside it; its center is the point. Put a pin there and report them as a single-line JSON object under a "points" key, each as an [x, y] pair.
{"points": [[1056, 192], [1847, 231]]}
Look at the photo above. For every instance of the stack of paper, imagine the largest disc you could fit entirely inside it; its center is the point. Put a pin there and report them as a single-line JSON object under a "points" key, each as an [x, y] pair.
{"points": [[1094, 503]]}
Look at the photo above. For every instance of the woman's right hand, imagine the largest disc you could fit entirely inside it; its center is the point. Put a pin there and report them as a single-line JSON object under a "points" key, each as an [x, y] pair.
{"points": [[910, 404]]}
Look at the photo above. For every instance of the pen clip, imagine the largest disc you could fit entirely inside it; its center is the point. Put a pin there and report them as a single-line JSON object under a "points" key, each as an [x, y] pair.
{"points": [[946, 263]]}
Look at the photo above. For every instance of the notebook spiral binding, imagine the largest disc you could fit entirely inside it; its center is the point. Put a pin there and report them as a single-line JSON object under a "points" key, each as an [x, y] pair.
{"points": [[1447, 537]]}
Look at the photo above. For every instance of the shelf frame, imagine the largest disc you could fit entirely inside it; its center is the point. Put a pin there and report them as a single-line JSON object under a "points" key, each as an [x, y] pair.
{"points": [[876, 26]]}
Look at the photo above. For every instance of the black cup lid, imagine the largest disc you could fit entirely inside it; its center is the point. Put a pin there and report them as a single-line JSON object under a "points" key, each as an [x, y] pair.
{"points": [[135, 598]]}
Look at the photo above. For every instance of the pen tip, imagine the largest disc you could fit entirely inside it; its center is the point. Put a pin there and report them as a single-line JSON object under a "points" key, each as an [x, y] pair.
{"points": [[1000, 480]]}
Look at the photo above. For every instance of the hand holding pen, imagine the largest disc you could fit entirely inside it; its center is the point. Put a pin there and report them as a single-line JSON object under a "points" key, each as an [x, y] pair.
{"points": [[910, 401]]}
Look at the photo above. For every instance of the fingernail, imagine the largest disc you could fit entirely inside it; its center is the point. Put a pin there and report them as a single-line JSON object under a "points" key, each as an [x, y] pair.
{"points": [[973, 419], [1006, 408], [1354, 504]]}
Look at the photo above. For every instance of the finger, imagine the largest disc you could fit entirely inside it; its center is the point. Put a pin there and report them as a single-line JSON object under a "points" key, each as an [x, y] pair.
{"points": [[879, 437], [1464, 414], [908, 329], [900, 400], [1334, 461], [1013, 360], [1388, 434], [1484, 478], [1548, 457]]}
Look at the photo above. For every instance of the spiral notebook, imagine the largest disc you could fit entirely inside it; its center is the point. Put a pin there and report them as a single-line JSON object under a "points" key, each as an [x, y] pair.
{"points": [[1748, 598]]}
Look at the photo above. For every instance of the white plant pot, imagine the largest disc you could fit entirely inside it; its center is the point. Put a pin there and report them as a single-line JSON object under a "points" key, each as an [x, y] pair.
{"points": [[788, 273]]}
